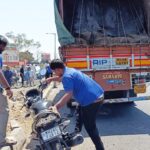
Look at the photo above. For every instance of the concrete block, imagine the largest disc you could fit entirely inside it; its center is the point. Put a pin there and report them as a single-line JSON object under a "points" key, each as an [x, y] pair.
{"points": [[47, 91], [6, 148], [11, 139], [19, 135], [14, 124]]}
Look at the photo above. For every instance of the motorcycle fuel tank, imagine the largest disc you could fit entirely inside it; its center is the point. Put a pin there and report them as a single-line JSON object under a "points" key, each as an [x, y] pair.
{"points": [[39, 106]]}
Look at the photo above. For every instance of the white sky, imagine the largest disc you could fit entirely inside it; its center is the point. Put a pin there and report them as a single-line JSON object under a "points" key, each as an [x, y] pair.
{"points": [[35, 18]]}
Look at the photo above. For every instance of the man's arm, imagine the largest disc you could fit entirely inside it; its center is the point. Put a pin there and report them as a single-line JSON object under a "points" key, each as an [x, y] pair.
{"points": [[56, 78], [63, 100], [5, 84]]}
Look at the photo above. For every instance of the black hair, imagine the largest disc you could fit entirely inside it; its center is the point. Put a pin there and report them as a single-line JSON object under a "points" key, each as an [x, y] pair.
{"points": [[3, 40], [57, 64]]}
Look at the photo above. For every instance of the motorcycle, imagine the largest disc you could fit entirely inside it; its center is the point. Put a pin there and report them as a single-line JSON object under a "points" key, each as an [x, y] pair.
{"points": [[48, 126]]}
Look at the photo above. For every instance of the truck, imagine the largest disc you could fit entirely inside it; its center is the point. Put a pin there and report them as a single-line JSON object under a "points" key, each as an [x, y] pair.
{"points": [[109, 40]]}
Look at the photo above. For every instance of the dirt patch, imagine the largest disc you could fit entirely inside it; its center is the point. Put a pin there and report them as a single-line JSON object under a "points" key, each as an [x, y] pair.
{"points": [[18, 114]]}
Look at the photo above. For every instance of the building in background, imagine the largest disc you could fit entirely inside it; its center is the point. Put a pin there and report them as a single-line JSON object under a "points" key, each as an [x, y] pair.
{"points": [[11, 55], [45, 57]]}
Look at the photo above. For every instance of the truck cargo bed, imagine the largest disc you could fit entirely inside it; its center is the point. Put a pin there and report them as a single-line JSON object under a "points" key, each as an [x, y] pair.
{"points": [[104, 22]]}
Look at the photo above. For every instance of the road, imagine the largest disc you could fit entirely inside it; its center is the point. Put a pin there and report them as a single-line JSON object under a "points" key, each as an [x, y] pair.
{"points": [[127, 127]]}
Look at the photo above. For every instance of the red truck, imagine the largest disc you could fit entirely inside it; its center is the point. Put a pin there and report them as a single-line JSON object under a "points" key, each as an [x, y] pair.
{"points": [[109, 41]]}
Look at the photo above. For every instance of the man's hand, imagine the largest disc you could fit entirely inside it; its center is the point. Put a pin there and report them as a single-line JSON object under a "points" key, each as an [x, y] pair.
{"points": [[54, 109], [64, 100], [49, 80], [46, 81], [9, 93]]}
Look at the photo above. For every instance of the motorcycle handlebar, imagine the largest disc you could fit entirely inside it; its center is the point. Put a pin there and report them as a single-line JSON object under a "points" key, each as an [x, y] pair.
{"points": [[42, 86], [22, 106]]}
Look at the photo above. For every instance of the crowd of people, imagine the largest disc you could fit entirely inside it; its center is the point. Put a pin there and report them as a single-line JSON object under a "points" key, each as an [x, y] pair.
{"points": [[26, 75]]}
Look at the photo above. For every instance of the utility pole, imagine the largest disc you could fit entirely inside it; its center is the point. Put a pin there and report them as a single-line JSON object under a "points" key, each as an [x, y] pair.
{"points": [[55, 55]]}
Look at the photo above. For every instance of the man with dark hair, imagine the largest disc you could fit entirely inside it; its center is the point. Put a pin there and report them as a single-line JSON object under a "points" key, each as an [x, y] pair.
{"points": [[86, 92], [3, 99], [49, 72]]}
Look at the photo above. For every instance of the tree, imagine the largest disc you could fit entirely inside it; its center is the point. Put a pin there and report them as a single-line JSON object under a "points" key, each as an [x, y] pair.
{"points": [[22, 42], [26, 56], [25, 45]]}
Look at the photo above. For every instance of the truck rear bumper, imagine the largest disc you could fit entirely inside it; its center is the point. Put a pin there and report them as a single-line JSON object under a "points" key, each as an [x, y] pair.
{"points": [[124, 100]]}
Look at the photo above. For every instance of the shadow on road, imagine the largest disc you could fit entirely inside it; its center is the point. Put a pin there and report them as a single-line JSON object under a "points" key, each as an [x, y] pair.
{"points": [[58, 96], [124, 119]]}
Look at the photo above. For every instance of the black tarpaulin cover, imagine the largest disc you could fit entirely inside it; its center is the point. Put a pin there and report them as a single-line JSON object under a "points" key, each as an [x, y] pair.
{"points": [[103, 22]]}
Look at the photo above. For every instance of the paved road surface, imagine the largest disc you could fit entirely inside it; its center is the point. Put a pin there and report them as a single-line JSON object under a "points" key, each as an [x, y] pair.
{"points": [[127, 127]]}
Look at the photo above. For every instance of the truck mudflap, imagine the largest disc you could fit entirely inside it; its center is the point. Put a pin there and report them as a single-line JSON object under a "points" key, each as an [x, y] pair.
{"points": [[124, 100]]}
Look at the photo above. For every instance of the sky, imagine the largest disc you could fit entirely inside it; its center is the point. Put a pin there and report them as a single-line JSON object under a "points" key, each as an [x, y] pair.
{"points": [[35, 18]]}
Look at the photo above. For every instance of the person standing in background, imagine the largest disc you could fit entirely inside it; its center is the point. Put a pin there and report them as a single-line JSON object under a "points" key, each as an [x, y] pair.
{"points": [[34, 72], [31, 73], [22, 75], [8, 75], [49, 72], [28, 76]]}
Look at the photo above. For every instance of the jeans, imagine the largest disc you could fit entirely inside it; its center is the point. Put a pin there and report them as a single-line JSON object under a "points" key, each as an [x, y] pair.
{"points": [[3, 118], [87, 116]]}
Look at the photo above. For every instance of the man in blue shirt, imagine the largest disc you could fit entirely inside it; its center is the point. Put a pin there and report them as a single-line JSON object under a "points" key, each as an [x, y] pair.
{"points": [[86, 92], [49, 72], [3, 99]]}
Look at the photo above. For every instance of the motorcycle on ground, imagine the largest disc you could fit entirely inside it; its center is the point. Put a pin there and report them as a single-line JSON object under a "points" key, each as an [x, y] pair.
{"points": [[48, 126]]}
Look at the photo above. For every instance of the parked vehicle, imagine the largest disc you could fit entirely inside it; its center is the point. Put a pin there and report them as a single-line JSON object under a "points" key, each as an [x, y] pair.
{"points": [[48, 126], [109, 41]]}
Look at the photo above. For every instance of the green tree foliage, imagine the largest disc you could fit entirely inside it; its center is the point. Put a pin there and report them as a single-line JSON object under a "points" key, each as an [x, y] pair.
{"points": [[26, 56], [22, 42], [24, 45]]}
